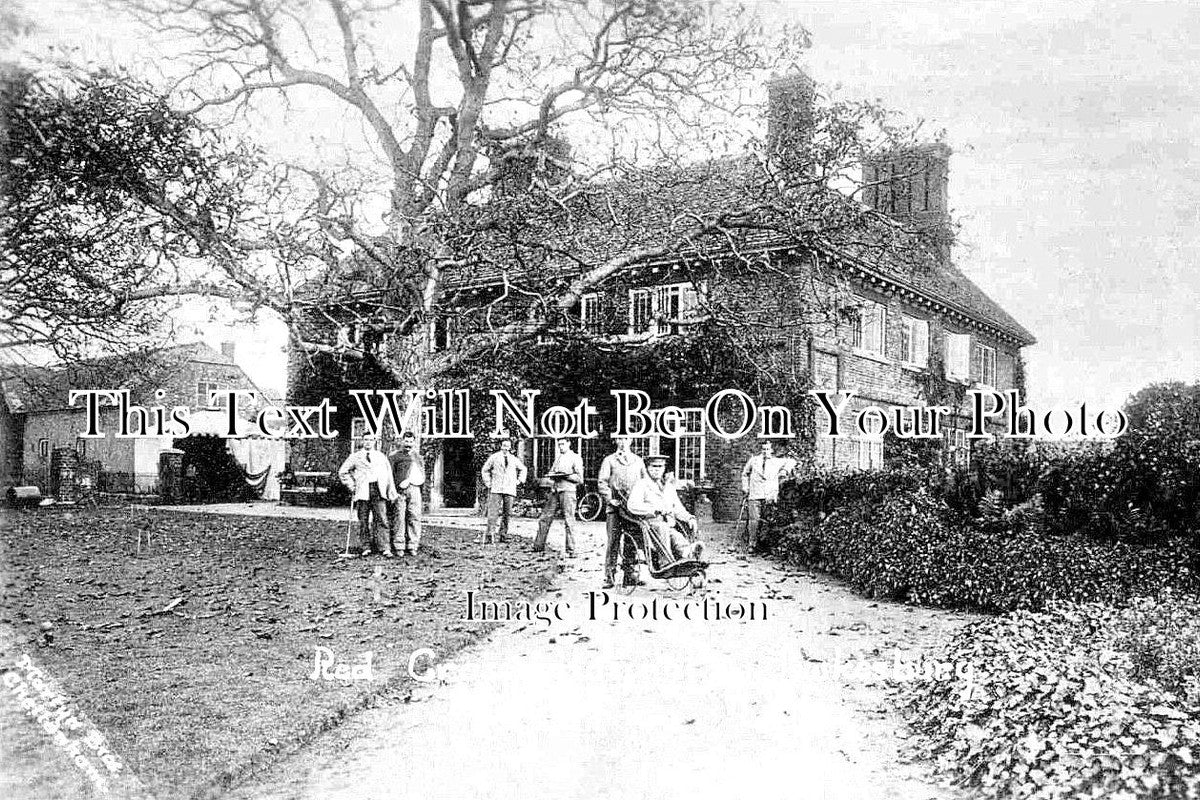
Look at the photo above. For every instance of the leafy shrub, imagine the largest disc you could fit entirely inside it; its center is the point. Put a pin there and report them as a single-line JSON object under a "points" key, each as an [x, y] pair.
{"points": [[889, 536], [1050, 707], [1163, 641]]}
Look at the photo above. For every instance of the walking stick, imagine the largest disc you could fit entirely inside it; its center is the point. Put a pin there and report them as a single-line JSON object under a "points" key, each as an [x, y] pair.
{"points": [[349, 525], [744, 510]]}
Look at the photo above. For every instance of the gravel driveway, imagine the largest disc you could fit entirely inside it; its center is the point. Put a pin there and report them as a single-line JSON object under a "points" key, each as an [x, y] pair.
{"points": [[585, 708]]}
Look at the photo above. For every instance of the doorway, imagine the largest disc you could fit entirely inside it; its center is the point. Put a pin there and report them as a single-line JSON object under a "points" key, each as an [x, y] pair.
{"points": [[210, 472], [458, 473]]}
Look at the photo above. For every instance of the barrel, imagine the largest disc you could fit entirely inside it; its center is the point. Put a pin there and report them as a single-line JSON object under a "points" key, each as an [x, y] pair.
{"points": [[64, 462], [24, 496]]}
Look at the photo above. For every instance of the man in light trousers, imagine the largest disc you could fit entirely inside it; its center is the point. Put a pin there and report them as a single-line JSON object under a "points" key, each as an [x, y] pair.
{"points": [[566, 474], [760, 483], [619, 472], [367, 474], [502, 473]]}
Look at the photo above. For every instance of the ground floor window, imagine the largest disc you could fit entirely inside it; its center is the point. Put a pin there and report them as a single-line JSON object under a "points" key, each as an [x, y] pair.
{"points": [[870, 453], [959, 447], [685, 454]]}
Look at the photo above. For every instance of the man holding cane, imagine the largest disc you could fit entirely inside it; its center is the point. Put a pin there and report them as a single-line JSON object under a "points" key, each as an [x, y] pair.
{"points": [[367, 474]]}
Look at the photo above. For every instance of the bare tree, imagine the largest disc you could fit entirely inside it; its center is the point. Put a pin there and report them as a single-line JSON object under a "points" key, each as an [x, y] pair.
{"points": [[461, 164]]}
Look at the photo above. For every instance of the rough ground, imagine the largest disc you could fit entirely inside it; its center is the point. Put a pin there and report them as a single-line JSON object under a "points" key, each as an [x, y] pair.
{"points": [[587, 709], [193, 655]]}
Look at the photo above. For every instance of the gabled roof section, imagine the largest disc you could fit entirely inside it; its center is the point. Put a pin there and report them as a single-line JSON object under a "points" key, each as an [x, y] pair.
{"points": [[29, 389]]}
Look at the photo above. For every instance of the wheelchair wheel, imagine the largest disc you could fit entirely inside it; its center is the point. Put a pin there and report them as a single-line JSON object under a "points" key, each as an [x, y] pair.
{"points": [[678, 584], [589, 507]]}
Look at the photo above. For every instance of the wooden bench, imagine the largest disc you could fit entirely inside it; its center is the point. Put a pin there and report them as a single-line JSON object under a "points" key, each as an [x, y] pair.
{"points": [[306, 488]]}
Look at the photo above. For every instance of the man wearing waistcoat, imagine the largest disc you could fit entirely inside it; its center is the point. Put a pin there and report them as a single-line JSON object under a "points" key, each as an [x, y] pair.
{"points": [[619, 472], [367, 474], [409, 476], [566, 473], [502, 474], [760, 483]]}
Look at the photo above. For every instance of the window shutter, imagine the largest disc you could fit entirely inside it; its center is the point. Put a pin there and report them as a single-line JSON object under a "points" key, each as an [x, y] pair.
{"points": [[958, 355], [690, 312], [920, 342], [879, 328]]}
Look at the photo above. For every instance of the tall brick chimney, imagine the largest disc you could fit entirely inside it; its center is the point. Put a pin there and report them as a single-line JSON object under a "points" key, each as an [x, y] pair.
{"points": [[911, 185], [790, 119], [228, 349]]}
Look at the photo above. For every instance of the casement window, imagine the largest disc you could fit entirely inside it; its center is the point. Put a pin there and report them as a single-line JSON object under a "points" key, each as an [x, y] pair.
{"points": [[206, 387], [958, 356], [1005, 367], [663, 309], [689, 448], [868, 326], [641, 310], [591, 313], [985, 364], [686, 455], [870, 444], [441, 334], [44, 448], [870, 453], [914, 341], [960, 447]]}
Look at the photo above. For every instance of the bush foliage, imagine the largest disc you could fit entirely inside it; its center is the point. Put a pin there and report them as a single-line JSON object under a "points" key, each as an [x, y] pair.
{"points": [[890, 536], [1065, 704], [1023, 525]]}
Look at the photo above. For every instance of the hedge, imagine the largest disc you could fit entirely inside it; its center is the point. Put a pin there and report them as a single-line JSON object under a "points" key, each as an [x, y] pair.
{"points": [[890, 537]]}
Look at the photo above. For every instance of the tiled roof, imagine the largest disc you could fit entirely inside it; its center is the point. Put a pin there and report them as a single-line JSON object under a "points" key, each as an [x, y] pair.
{"points": [[653, 207], [31, 389]]}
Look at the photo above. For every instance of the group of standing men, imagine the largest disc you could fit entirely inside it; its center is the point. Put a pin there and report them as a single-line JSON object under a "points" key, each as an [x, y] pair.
{"points": [[387, 495], [642, 488]]}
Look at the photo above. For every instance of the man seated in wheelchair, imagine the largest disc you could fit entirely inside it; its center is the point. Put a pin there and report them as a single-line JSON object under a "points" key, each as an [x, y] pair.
{"points": [[654, 501]]}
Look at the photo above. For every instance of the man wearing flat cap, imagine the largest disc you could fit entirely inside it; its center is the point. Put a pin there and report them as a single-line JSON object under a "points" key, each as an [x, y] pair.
{"points": [[655, 500]]}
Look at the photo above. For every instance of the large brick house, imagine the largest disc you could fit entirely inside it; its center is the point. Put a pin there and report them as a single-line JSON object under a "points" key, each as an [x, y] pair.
{"points": [[903, 326]]}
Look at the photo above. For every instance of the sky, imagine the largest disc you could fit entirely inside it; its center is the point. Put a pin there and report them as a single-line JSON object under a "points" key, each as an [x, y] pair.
{"points": [[1075, 174]]}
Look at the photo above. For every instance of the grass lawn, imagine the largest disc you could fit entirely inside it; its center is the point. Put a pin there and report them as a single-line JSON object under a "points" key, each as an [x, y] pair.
{"points": [[194, 696]]}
